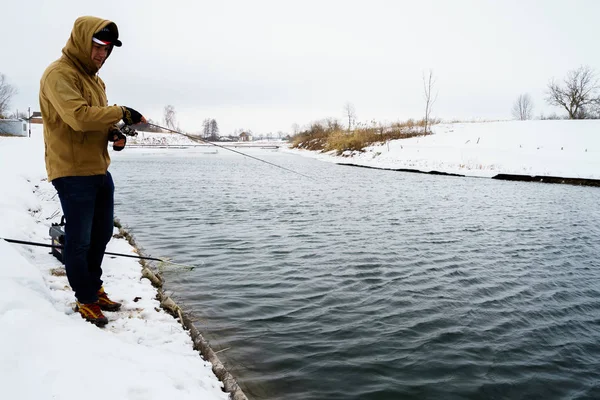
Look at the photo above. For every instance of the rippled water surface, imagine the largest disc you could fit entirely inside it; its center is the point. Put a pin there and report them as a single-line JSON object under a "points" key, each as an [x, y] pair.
{"points": [[369, 284]]}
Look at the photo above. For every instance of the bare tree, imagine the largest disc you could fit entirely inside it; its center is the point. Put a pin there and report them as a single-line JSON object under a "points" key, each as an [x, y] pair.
{"points": [[428, 87], [214, 129], [7, 91], [523, 107], [18, 115], [206, 128], [579, 90], [169, 115], [295, 128], [350, 112]]}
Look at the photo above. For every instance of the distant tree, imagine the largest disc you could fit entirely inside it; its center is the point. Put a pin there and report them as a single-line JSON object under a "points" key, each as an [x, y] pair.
{"points": [[206, 128], [7, 92], [350, 113], [552, 116], [295, 129], [213, 130], [333, 123], [18, 115], [523, 107], [428, 87], [169, 115], [578, 91]]}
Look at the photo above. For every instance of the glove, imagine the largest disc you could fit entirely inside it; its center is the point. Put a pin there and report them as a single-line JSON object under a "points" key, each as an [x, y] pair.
{"points": [[115, 135], [132, 117]]}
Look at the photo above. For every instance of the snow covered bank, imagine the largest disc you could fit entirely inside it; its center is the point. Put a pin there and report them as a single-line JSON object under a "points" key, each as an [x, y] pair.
{"points": [[47, 351], [568, 149]]}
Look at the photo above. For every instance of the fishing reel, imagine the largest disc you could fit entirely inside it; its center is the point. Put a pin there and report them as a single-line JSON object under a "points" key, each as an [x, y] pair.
{"points": [[127, 130], [119, 137]]}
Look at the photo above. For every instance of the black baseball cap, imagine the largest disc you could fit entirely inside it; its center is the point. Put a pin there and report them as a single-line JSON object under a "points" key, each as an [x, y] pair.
{"points": [[106, 36]]}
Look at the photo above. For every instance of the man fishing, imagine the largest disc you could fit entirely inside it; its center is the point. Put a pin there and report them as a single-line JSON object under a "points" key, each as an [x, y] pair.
{"points": [[78, 124]]}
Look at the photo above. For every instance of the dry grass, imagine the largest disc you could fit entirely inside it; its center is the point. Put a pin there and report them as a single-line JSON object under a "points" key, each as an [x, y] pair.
{"points": [[330, 136], [58, 272]]}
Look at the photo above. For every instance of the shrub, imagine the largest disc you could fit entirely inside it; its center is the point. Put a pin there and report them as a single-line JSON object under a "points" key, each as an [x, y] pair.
{"points": [[329, 135]]}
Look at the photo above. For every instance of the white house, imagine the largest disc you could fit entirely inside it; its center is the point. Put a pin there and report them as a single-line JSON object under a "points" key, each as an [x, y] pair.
{"points": [[245, 137], [13, 127]]}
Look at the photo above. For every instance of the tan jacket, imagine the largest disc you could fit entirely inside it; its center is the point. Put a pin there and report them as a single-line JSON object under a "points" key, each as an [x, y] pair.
{"points": [[75, 109]]}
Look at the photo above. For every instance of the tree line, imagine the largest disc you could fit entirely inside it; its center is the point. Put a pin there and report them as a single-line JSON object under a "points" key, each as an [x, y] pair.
{"points": [[578, 94]]}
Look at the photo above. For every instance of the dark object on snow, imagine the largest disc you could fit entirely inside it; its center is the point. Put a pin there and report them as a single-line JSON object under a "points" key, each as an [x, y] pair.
{"points": [[57, 237]]}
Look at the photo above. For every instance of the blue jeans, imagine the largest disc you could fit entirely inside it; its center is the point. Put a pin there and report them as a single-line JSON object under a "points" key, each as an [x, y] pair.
{"points": [[88, 205]]}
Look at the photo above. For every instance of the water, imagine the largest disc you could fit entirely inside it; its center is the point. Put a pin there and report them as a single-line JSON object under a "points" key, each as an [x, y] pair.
{"points": [[368, 284]]}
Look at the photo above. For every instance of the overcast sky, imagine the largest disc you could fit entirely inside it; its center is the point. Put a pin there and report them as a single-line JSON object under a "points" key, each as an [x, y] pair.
{"points": [[264, 65]]}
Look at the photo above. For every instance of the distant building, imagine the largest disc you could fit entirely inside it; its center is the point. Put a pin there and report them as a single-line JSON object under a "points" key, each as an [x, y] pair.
{"points": [[36, 117], [13, 127], [245, 137]]}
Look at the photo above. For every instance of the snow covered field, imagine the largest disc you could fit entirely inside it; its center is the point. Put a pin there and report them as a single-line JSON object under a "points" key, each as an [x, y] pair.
{"points": [[569, 149]]}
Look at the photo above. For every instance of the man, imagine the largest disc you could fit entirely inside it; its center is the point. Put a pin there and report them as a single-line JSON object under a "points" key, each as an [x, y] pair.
{"points": [[77, 125]]}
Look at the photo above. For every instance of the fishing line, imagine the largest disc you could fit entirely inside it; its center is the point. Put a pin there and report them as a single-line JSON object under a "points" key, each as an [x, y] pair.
{"points": [[199, 139]]}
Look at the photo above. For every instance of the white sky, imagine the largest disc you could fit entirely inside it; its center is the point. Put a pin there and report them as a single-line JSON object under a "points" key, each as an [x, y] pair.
{"points": [[264, 65]]}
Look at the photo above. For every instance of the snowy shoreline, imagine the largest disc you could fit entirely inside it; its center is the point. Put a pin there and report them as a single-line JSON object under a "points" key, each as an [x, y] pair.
{"points": [[502, 177], [200, 344], [563, 151], [143, 352]]}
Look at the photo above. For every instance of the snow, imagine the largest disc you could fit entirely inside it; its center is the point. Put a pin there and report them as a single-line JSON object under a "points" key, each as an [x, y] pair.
{"points": [[47, 351], [569, 149], [159, 139]]}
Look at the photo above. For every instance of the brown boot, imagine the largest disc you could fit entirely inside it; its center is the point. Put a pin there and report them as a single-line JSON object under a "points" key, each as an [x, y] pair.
{"points": [[105, 303], [92, 313]]}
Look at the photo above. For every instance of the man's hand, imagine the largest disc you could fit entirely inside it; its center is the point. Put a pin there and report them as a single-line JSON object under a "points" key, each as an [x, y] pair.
{"points": [[132, 117], [115, 135]]}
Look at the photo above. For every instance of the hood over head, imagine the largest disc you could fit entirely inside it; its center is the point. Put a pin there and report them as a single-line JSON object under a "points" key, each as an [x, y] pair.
{"points": [[79, 46]]}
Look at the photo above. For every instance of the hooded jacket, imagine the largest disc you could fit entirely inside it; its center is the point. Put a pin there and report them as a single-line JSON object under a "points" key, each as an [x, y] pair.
{"points": [[74, 107]]}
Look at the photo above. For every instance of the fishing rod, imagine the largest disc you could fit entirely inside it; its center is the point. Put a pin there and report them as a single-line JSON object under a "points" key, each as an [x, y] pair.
{"points": [[26, 243], [199, 139]]}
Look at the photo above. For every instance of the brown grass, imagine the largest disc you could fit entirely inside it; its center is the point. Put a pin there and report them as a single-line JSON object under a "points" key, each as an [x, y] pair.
{"points": [[328, 135], [58, 272]]}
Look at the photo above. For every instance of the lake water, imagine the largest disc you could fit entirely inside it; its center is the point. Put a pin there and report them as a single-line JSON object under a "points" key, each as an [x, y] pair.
{"points": [[371, 284]]}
